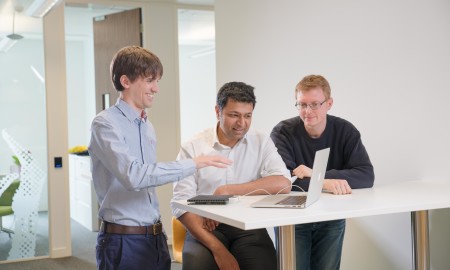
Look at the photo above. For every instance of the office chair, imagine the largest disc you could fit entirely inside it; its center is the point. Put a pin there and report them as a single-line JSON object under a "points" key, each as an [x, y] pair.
{"points": [[178, 236], [6, 204]]}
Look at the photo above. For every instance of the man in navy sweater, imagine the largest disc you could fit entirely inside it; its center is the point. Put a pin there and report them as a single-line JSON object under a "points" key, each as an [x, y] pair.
{"points": [[319, 244]]}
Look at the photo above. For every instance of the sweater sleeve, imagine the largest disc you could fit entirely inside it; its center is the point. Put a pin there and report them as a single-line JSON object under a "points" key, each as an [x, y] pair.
{"points": [[357, 170], [283, 140], [284, 146]]}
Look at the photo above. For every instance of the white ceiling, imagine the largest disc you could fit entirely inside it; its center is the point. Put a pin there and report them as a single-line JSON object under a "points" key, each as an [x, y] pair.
{"points": [[196, 2], [195, 27], [23, 24]]}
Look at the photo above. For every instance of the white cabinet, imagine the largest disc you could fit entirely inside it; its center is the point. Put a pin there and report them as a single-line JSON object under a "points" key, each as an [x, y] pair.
{"points": [[83, 201]]}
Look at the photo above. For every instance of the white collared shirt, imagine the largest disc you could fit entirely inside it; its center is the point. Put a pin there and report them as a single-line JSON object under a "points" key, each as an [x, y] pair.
{"points": [[254, 156]]}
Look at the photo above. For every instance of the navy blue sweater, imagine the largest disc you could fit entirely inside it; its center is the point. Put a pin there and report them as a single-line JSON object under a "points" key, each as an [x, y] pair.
{"points": [[348, 157]]}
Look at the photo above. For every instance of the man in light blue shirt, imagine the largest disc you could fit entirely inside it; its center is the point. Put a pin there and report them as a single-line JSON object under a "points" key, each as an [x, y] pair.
{"points": [[125, 171], [257, 169]]}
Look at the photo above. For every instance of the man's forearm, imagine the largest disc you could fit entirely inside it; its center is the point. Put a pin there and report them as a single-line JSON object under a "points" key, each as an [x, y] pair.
{"points": [[194, 224], [270, 184]]}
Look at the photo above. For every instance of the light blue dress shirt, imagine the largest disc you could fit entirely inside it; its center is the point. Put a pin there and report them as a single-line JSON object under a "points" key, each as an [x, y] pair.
{"points": [[124, 167]]}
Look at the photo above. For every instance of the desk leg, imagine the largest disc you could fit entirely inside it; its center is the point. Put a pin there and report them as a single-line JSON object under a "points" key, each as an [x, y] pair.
{"points": [[420, 240], [286, 247]]}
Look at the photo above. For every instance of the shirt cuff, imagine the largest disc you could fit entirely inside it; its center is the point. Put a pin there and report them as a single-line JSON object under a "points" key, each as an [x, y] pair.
{"points": [[188, 166]]}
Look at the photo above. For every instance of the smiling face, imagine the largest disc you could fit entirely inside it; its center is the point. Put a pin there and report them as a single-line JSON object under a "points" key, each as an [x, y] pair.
{"points": [[135, 72], [315, 120], [140, 93], [234, 121]]}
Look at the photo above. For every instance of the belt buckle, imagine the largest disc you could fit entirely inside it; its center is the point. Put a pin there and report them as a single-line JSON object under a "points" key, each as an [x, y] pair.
{"points": [[103, 226], [157, 228]]}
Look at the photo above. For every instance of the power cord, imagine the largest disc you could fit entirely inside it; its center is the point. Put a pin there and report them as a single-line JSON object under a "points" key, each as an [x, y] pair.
{"points": [[268, 193]]}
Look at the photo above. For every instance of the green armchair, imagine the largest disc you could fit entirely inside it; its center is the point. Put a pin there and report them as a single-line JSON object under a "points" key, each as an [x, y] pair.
{"points": [[6, 204]]}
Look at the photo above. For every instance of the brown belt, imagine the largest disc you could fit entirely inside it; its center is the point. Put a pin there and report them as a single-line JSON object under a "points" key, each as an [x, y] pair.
{"points": [[154, 229]]}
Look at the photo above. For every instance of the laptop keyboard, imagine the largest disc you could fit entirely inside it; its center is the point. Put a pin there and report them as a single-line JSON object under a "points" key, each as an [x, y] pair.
{"points": [[292, 200]]}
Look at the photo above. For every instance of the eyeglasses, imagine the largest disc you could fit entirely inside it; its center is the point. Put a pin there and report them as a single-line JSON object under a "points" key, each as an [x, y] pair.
{"points": [[313, 106]]}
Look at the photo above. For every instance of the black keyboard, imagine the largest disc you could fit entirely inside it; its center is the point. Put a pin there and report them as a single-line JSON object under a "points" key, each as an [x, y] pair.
{"points": [[292, 200]]}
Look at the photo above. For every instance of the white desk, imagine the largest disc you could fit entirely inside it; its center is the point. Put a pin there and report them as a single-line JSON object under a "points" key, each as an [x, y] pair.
{"points": [[382, 199]]}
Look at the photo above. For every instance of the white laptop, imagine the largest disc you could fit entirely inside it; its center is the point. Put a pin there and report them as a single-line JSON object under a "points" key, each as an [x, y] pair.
{"points": [[314, 190]]}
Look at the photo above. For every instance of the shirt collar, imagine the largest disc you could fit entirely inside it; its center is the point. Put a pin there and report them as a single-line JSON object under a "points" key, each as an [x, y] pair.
{"points": [[216, 142], [127, 110]]}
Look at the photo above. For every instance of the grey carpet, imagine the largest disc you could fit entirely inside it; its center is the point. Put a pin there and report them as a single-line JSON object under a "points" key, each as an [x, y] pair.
{"points": [[83, 251]]}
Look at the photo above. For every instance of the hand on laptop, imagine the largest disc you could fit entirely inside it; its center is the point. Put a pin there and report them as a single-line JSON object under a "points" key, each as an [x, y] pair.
{"points": [[337, 186], [302, 171]]}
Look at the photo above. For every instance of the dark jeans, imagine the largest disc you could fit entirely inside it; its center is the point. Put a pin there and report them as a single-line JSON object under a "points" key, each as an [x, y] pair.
{"points": [[318, 245], [253, 249], [132, 252]]}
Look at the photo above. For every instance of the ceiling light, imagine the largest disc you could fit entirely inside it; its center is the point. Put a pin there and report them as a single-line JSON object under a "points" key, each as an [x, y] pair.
{"points": [[38, 8], [6, 44], [14, 36]]}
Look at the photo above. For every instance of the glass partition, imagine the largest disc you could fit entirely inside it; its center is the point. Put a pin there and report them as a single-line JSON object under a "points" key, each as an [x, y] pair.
{"points": [[23, 139]]}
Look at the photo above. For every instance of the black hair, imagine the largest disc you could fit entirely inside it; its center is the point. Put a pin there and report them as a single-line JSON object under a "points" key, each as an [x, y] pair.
{"points": [[237, 91]]}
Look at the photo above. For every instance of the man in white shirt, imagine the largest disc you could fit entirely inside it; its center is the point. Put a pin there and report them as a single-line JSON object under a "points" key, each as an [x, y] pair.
{"points": [[257, 169]]}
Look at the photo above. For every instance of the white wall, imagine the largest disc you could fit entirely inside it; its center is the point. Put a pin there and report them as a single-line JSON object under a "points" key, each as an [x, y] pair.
{"points": [[80, 73], [387, 63], [80, 92], [197, 91]]}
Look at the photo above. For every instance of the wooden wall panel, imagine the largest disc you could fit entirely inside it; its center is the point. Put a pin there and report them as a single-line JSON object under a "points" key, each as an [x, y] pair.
{"points": [[112, 32]]}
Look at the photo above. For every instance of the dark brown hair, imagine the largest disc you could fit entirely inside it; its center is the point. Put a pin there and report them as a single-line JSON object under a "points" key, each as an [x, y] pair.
{"points": [[134, 62]]}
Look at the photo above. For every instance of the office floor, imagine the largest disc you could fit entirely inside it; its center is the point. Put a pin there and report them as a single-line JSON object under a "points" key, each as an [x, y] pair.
{"points": [[83, 251]]}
